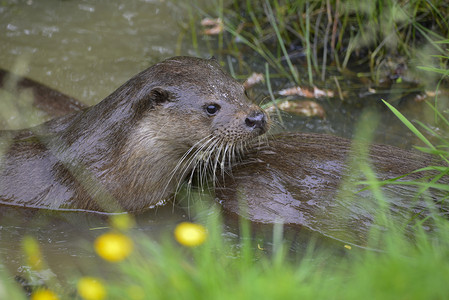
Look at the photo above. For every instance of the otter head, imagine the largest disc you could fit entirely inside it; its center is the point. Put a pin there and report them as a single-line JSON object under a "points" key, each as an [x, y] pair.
{"points": [[206, 103], [194, 115], [194, 103]]}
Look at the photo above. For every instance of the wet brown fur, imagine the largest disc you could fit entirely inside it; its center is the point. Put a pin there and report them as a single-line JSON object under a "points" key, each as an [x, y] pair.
{"points": [[44, 98], [124, 153], [312, 180]]}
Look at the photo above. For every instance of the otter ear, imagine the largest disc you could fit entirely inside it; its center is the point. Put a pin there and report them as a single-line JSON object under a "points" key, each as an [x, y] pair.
{"points": [[158, 95], [151, 99]]}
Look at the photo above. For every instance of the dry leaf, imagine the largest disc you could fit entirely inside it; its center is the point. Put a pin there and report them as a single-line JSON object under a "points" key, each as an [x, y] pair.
{"points": [[302, 108], [420, 97], [252, 80], [316, 93], [427, 94], [322, 93], [215, 26], [432, 93], [296, 90]]}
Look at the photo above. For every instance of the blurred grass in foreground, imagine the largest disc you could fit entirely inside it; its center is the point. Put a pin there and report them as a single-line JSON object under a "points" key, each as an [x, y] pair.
{"points": [[223, 269]]}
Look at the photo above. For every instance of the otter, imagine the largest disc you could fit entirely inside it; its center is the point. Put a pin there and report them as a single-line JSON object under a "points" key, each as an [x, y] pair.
{"points": [[303, 180], [133, 149], [313, 181], [52, 102]]}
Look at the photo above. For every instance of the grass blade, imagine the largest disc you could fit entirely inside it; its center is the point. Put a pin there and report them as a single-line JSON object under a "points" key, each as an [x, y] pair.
{"points": [[409, 125]]}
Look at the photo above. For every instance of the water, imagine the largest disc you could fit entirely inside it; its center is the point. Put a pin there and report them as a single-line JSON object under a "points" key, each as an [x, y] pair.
{"points": [[87, 49], [66, 238]]}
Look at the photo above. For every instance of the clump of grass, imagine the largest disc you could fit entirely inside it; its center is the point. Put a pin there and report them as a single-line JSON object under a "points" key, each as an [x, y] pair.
{"points": [[440, 151], [217, 270], [335, 32], [9, 289]]}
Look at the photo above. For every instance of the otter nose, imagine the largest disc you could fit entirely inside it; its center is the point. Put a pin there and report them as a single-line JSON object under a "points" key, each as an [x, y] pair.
{"points": [[256, 120]]}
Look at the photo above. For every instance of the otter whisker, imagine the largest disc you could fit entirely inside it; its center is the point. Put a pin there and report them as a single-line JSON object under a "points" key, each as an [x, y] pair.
{"points": [[230, 154], [201, 161], [191, 162], [207, 164], [184, 160], [197, 158], [223, 160], [219, 159], [215, 165]]}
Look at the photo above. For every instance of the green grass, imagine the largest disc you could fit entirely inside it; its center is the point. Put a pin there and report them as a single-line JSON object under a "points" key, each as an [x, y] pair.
{"points": [[321, 33], [214, 271], [218, 270]]}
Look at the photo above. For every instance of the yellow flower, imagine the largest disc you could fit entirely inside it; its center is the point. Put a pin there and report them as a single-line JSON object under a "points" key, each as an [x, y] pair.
{"points": [[122, 221], [44, 294], [90, 288], [113, 247], [190, 234], [33, 252]]}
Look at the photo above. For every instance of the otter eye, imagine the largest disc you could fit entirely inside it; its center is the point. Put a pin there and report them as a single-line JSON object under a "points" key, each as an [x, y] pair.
{"points": [[212, 109]]}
